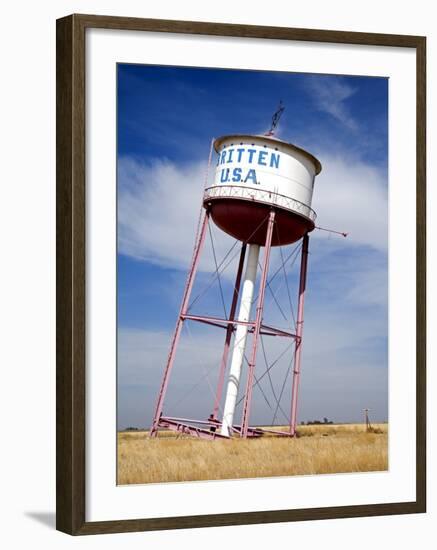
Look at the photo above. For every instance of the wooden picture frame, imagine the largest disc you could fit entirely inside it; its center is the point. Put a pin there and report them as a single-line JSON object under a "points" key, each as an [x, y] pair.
{"points": [[71, 254]]}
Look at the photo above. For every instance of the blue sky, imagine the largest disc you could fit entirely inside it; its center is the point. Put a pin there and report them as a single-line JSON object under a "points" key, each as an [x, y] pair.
{"points": [[166, 119]]}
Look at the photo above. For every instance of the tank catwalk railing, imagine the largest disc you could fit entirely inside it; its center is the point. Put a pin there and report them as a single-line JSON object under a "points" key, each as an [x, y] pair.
{"points": [[259, 195]]}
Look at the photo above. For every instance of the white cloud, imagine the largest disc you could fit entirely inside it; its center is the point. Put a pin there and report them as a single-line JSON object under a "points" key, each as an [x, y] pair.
{"points": [[158, 212], [351, 196], [370, 286], [143, 354], [159, 204], [340, 357], [329, 96]]}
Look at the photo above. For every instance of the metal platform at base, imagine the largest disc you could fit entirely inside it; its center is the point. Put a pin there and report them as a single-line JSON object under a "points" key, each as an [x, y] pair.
{"points": [[209, 429]]}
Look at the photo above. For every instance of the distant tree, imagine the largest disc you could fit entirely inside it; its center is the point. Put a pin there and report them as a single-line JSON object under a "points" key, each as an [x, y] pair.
{"points": [[131, 429], [318, 422]]}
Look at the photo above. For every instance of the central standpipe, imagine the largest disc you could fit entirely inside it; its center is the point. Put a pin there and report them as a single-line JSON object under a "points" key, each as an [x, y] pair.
{"points": [[240, 339]]}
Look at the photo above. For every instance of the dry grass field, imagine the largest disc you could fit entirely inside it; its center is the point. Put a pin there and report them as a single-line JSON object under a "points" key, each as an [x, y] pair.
{"points": [[320, 449]]}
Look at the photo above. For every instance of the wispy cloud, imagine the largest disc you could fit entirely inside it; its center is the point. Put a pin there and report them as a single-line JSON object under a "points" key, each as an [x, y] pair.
{"points": [[347, 359], [351, 196], [142, 356], [330, 96], [159, 204]]}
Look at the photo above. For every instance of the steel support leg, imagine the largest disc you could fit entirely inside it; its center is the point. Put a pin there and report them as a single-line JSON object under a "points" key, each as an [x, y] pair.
{"points": [[299, 330], [179, 323], [229, 332], [257, 327]]}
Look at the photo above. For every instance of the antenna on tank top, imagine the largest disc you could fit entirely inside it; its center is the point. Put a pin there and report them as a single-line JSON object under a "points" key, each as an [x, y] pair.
{"points": [[275, 119]]}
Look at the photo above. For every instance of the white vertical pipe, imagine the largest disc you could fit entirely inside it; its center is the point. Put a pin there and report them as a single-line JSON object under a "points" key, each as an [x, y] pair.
{"points": [[240, 338]]}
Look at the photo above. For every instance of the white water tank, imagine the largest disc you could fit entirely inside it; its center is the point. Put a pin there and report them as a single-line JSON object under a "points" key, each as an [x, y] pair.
{"points": [[254, 173]]}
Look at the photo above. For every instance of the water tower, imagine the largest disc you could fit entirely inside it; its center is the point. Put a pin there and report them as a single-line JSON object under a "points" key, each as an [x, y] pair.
{"points": [[261, 196]]}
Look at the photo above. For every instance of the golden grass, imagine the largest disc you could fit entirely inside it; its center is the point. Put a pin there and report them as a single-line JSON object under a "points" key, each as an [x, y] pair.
{"points": [[320, 450]]}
